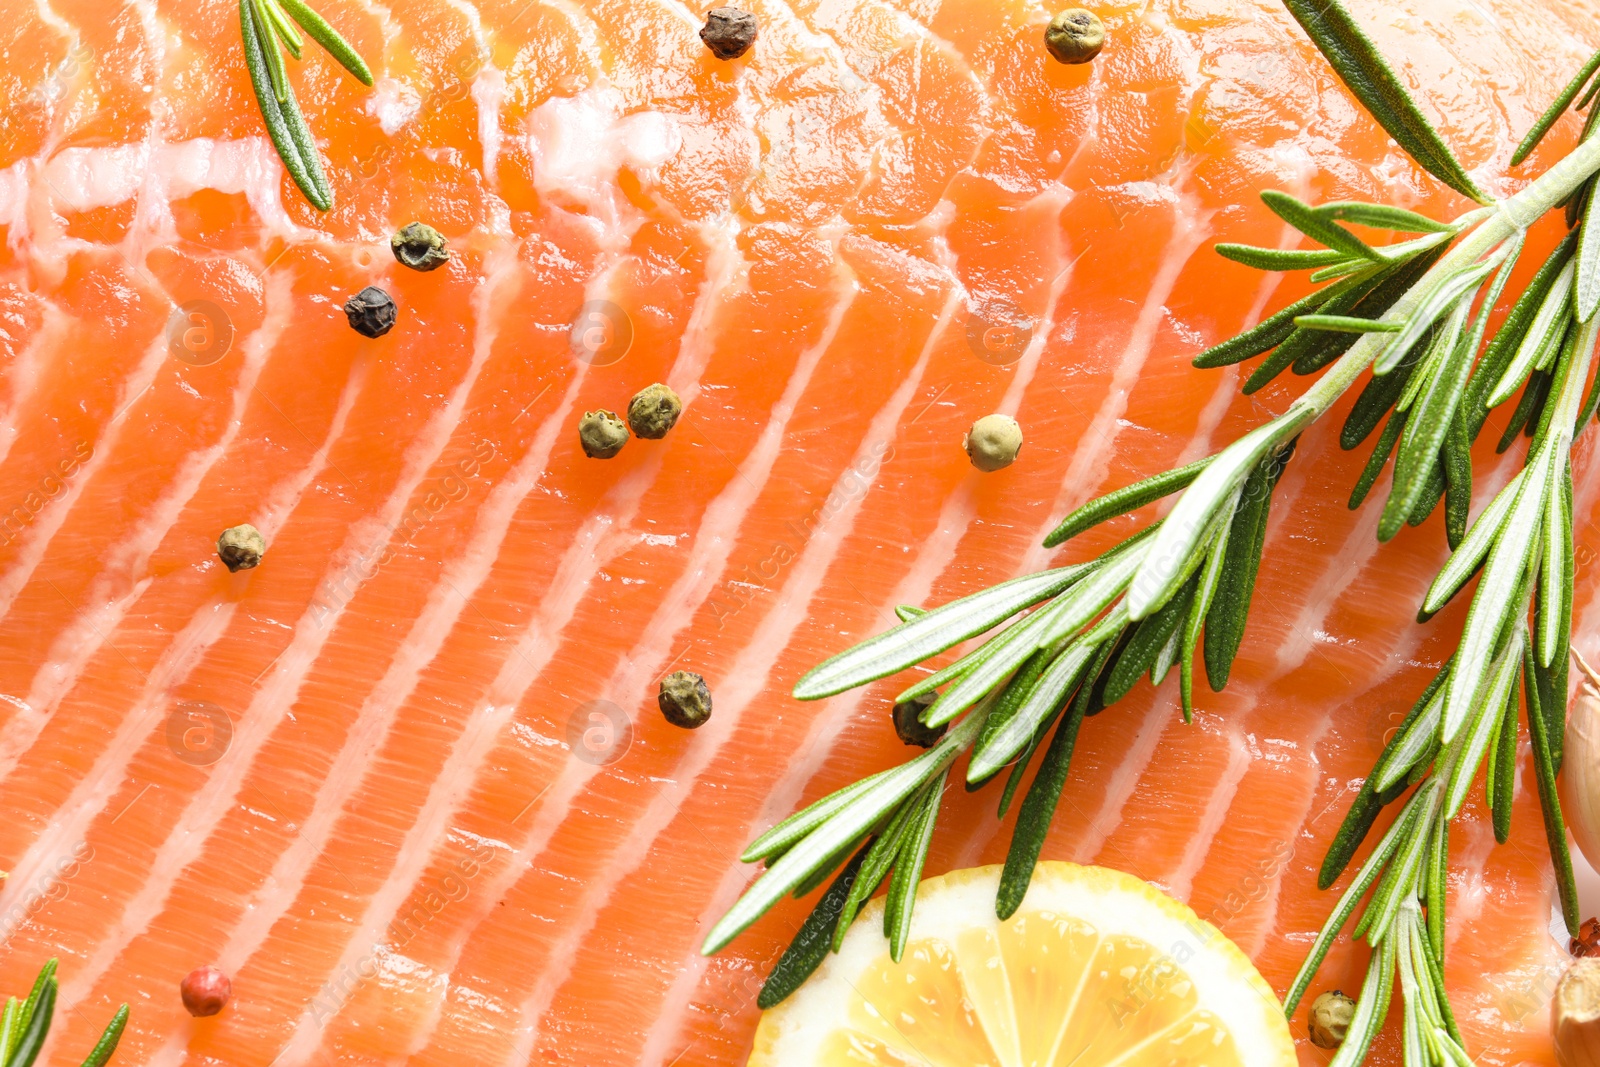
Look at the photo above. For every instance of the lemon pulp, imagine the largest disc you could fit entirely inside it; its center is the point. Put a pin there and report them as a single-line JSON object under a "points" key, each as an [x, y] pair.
{"points": [[1096, 969]]}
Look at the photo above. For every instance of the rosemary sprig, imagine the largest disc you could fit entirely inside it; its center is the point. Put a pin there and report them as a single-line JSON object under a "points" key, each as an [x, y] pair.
{"points": [[325, 35], [264, 25], [1065, 643], [25, 1024], [1466, 720]]}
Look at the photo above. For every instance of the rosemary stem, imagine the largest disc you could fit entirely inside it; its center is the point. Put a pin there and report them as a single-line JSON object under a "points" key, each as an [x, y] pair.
{"points": [[1499, 223], [1457, 274]]}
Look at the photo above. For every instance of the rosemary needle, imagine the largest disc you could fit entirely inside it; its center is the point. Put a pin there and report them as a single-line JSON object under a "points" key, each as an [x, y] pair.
{"points": [[41, 1007], [285, 29], [108, 1040], [25, 1025], [1363, 69], [328, 38], [285, 125], [267, 38], [263, 25], [1556, 110], [810, 946]]}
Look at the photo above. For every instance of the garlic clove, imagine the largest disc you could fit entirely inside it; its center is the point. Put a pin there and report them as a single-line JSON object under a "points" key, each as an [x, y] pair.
{"points": [[1579, 781], [1575, 1015]]}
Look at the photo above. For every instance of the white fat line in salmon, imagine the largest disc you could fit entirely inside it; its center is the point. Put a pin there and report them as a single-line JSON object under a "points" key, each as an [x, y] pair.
{"points": [[448, 888], [450, 489], [526, 661], [203, 630], [32, 548], [711, 546], [273, 897], [737, 591], [109, 597], [934, 556], [51, 887], [52, 485]]}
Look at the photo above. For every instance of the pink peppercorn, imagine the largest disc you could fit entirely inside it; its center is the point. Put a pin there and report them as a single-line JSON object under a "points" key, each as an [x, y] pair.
{"points": [[205, 990]]}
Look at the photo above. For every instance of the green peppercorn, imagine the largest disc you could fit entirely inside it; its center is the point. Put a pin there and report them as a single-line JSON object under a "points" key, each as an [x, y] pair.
{"points": [[1330, 1019], [241, 547], [1075, 36], [420, 247], [653, 411], [908, 724], [685, 699], [993, 442], [601, 434]]}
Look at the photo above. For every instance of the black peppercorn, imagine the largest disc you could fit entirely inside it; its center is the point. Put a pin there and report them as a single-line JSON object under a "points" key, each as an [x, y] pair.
{"points": [[729, 32], [420, 247], [1075, 36], [685, 699], [908, 722], [371, 312]]}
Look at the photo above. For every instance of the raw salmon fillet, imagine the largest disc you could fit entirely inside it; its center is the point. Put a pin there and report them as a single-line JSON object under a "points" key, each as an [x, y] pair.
{"points": [[406, 781]]}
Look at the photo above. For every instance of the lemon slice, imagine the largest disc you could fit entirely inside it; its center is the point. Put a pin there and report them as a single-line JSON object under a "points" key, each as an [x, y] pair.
{"points": [[1096, 968]]}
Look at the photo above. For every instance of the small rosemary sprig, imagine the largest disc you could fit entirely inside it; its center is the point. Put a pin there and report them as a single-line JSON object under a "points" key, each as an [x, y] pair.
{"points": [[24, 1024], [1466, 720], [1079, 637], [265, 25]]}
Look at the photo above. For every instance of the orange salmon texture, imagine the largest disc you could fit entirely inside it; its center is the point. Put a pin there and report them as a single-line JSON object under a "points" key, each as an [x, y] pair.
{"points": [[406, 782]]}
